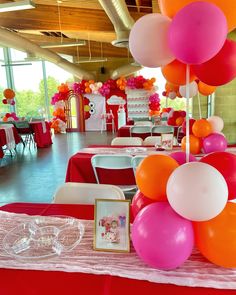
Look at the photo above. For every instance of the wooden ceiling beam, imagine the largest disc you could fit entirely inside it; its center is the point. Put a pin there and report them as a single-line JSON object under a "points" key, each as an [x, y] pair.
{"points": [[46, 18]]}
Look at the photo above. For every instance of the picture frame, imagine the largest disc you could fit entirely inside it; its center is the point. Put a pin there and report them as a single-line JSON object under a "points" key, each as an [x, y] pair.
{"points": [[167, 141], [112, 225]]}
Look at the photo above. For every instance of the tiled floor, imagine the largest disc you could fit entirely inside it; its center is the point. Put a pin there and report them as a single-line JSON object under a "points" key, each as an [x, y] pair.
{"points": [[34, 174]]}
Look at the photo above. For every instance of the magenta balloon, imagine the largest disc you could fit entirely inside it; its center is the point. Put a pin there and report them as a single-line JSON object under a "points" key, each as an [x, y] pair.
{"points": [[221, 69], [161, 237], [197, 32], [214, 142], [139, 201], [180, 157], [148, 41]]}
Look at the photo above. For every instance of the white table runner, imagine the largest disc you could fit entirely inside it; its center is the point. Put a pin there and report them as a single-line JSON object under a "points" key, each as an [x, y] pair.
{"points": [[195, 272], [10, 140]]}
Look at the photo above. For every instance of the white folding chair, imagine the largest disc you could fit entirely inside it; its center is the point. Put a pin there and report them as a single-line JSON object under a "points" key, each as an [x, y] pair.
{"points": [[152, 140], [161, 129], [127, 141], [143, 123], [136, 160], [86, 193], [113, 162], [140, 131]]}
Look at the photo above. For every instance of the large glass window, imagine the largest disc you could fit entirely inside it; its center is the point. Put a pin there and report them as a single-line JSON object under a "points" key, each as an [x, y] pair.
{"points": [[4, 108]]}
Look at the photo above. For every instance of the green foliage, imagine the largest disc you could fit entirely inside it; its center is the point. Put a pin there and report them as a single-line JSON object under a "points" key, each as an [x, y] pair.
{"points": [[176, 104], [29, 103]]}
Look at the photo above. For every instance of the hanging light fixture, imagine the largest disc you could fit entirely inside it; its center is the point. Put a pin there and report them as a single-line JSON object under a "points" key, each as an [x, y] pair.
{"points": [[20, 5]]}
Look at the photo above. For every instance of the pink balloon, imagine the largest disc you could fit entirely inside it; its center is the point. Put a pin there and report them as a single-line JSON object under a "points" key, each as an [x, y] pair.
{"points": [[197, 32], [158, 233], [139, 201], [148, 41], [180, 157], [214, 142]]}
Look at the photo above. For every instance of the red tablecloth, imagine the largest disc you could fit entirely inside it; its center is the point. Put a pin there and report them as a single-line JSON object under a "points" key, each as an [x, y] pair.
{"points": [[42, 139], [29, 282], [3, 139], [79, 169]]}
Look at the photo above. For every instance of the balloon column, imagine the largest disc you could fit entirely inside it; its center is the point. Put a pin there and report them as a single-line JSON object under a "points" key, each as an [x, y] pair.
{"points": [[195, 193], [206, 136], [154, 104], [58, 123]]}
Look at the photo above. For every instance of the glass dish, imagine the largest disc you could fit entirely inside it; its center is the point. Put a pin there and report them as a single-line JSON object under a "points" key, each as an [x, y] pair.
{"points": [[43, 237]]}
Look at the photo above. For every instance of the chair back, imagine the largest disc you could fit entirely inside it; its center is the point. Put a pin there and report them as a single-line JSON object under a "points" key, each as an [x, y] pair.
{"points": [[127, 141], [86, 193], [152, 140], [136, 160], [143, 123], [160, 129], [114, 169], [140, 131]]}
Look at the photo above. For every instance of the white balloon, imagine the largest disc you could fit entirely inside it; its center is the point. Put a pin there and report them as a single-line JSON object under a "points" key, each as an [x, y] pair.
{"points": [[172, 95], [217, 123], [197, 191], [193, 89]]}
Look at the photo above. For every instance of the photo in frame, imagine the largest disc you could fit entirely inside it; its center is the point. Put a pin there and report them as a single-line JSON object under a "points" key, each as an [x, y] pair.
{"points": [[167, 141], [111, 225]]}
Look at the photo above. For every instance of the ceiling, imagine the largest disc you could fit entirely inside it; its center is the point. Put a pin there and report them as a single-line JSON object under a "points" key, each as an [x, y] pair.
{"points": [[65, 21]]}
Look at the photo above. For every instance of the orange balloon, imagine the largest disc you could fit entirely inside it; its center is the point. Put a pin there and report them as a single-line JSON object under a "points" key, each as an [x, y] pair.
{"points": [[9, 93], [175, 72], [152, 175], [88, 90], [195, 144], [228, 7], [216, 238], [205, 89], [171, 87], [153, 113], [179, 121], [202, 128]]}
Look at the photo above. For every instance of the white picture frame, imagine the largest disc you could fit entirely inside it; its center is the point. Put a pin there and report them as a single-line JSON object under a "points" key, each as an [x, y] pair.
{"points": [[167, 141]]}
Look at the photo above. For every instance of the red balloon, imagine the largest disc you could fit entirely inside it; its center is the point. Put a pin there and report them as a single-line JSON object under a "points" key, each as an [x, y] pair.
{"points": [[225, 163], [191, 122], [221, 69], [139, 201]]}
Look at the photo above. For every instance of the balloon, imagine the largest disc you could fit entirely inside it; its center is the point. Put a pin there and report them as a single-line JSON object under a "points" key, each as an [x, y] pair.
{"points": [[214, 143], [179, 121], [139, 201], [152, 175], [205, 89], [216, 238], [197, 191], [201, 128], [193, 89], [175, 73], [191, 122], [151, 30], [9, 93], [221, 69], [158, 233], [172, 95], [195, 144], [225, 163], [170, 8], [217, 123], [197, 32], [171, 87], [180, 157]]}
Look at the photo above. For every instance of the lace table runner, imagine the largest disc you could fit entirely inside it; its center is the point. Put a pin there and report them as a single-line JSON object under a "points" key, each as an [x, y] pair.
{"points": [[10, 140], [195, 272]]}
